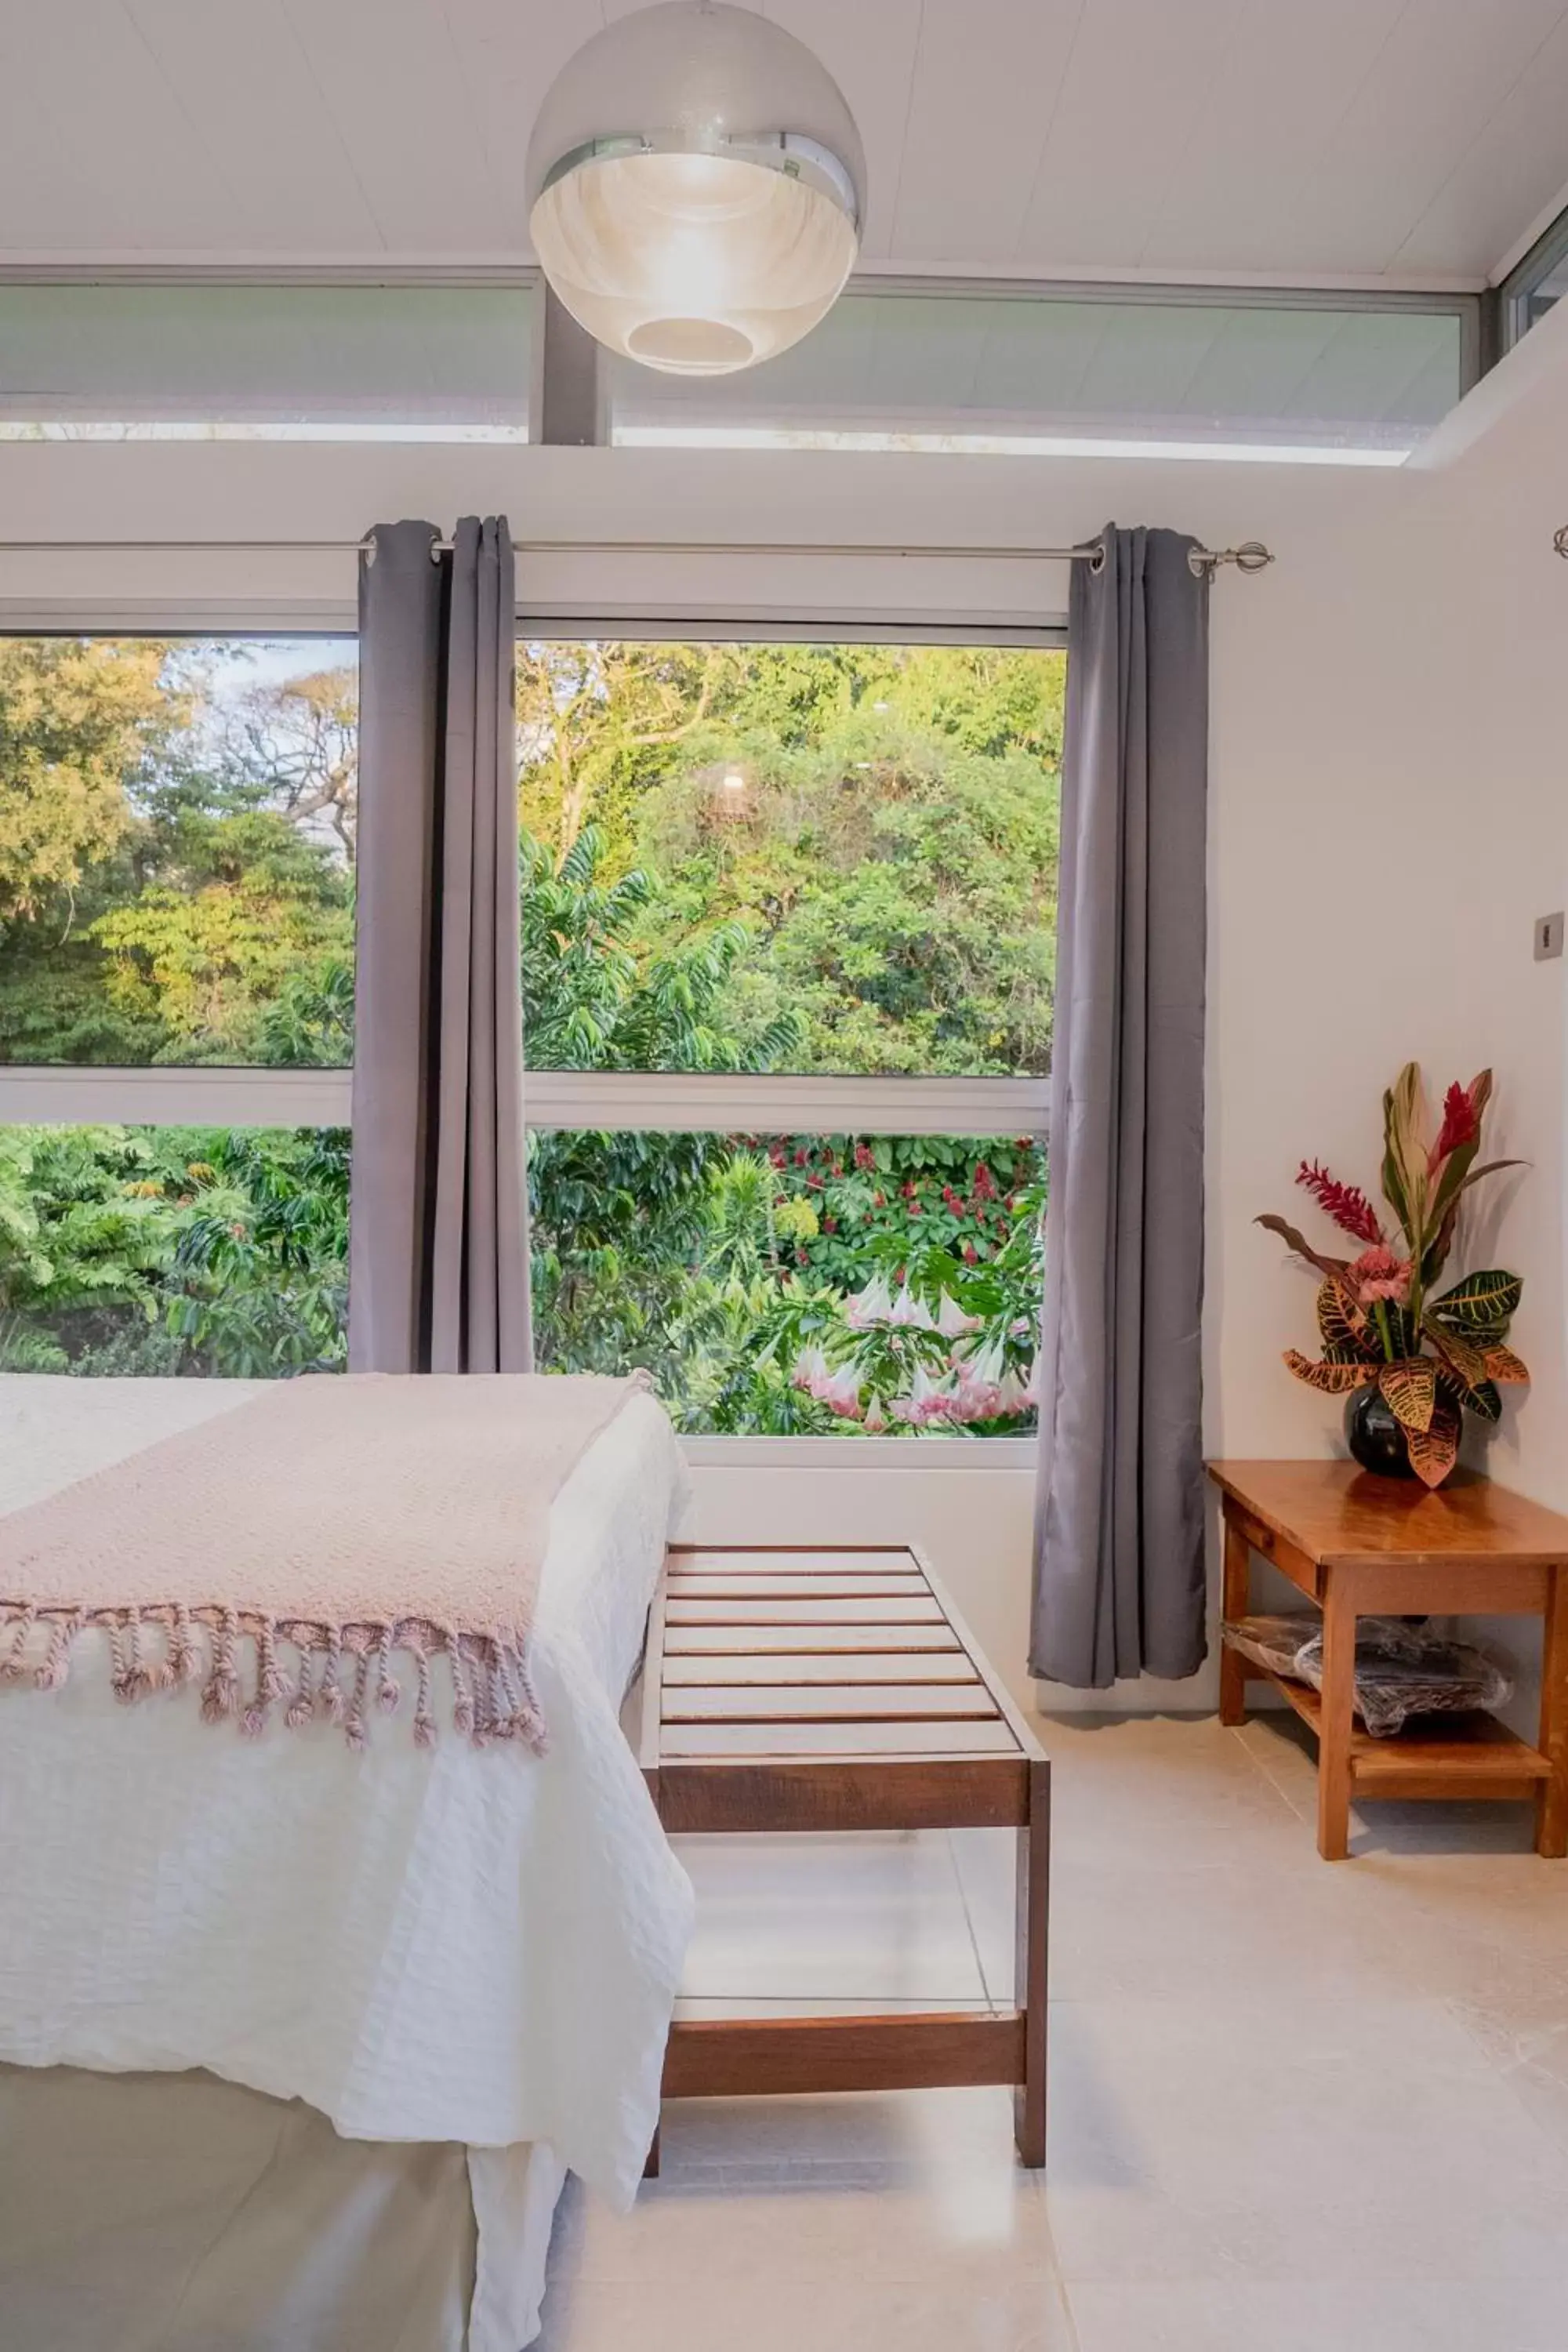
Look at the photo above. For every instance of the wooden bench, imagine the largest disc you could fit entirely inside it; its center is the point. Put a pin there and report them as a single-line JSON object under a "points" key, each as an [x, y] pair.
{"points": [[836, 1688]]}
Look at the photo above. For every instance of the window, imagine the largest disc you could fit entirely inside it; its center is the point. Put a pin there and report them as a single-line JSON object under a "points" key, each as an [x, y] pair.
{"points": [[788, 945], [172, 1251], [1534, 284], [1176, 373], [789, 932], [177, 850], [797, 857], [253, 362]]}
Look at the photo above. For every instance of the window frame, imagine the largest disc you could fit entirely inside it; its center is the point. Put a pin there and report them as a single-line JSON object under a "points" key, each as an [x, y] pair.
{"points": [[669, 1102], [1549, 252]]}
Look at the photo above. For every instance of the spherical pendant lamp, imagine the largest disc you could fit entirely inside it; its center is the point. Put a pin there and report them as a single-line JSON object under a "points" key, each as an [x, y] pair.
{"points": [[695, 185]]}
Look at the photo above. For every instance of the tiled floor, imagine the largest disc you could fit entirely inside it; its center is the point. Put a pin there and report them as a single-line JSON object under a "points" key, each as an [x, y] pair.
{"points": [[1294, 2106]]}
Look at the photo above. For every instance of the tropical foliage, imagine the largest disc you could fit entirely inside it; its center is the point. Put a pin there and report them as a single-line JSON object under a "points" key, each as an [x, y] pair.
{"points": [[733, 859], [1434, 1355]]}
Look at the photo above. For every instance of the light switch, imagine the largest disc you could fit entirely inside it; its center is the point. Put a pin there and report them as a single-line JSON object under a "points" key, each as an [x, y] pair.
{"points": [[1547, 937]]}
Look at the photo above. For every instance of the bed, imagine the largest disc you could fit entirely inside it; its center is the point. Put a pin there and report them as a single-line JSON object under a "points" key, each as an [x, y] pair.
{"points": [[464, 1963]]}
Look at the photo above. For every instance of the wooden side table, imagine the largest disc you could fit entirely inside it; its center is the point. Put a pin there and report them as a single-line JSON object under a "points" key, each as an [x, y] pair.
{"points": [[1358, 1545]]}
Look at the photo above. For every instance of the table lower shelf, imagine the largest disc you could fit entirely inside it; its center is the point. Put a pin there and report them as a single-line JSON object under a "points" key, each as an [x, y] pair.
{"points": [[1441, 1756]]}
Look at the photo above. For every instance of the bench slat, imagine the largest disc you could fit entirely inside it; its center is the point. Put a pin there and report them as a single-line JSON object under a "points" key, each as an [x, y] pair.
{"points": [[808, 1640], [842, 1669], [863, 1610], [798, 1702], [751, 1740]]}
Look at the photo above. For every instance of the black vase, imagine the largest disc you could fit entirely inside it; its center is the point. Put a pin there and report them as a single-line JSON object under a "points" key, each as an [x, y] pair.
{"points": [[1374, 1435]]}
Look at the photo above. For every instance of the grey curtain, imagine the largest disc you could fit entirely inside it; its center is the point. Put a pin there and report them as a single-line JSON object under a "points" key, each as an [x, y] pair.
{"points": [[437, 1225], [1118, 1531]]}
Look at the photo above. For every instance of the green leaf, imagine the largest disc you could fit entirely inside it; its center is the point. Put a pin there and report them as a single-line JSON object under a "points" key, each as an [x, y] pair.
{"points": [[1482, 1303]]}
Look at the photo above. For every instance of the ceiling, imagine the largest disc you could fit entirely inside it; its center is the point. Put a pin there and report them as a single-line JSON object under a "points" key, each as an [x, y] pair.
{"points": [[1411, 139]]}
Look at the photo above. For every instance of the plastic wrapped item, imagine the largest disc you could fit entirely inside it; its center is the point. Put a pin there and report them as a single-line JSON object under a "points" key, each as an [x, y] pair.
{"points": [[1404, 1666], [1273, 1642]]}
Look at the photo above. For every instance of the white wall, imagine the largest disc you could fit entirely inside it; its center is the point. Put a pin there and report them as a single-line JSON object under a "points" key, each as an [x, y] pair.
{"points": [[1387, 805]]}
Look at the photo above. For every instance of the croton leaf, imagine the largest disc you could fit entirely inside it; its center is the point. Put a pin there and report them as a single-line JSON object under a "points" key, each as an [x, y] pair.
{"points": [[1298, 1241], [1482, 1303], [1334, 1379], [1346, 1337], [1482, 1398], [1434, 1451], [1467, 1358], [1410, 1389], [1502, 1364]]}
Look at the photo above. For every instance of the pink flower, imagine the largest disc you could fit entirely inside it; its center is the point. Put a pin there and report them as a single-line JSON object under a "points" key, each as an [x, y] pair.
{"points": [[1379, 1274]]}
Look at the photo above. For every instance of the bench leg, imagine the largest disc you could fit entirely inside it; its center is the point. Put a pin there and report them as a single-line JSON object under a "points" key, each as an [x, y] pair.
{"points": [[651, 2170], [1030, 1974]]}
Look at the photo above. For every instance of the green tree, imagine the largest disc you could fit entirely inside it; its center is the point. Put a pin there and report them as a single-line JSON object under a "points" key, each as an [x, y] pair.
{"points": [[78, 717]]}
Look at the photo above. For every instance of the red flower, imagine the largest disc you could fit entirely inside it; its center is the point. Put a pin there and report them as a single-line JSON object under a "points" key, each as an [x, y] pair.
{"points": [[985, 1182], [863, 1157], [1347, 1205], [1461, 1125], [830, 1224], [878, 1199], [971, 1253]]}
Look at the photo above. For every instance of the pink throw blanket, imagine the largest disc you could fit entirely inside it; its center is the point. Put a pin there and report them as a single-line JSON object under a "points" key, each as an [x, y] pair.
{"points": [[347, 1516]]}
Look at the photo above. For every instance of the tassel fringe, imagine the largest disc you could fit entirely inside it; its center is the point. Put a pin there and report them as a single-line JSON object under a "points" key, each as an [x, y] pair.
{"points": [[347, 1673]]}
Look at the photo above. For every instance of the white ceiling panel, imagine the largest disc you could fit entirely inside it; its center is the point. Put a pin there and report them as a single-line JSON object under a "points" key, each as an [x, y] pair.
{"points": [[268, 129], [1437, 84], [1285, 77], [974, 135], [1267, 138], [1493, 193], [1113, 146], [407, 90]]}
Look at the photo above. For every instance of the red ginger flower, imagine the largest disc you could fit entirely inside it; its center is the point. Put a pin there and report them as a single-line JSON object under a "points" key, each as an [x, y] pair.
{"points": [[1347, 1205], [1461, 1125]]}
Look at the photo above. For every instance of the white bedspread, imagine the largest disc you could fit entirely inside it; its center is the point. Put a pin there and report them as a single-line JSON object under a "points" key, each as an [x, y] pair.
{"points": [[472, 1946]]}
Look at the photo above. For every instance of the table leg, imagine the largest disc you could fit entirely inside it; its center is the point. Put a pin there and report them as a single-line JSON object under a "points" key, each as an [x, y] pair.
{"points": [[1551, 1797], [1234, 1582], [1337, 1722]]}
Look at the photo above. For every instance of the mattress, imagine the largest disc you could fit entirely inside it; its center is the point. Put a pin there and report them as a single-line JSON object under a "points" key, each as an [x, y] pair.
{"points": [[478, 1947]]}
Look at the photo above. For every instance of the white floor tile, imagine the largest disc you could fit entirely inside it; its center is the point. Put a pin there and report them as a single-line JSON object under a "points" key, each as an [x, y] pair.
{"points": [[1250, 2136], [1416, 2315]]}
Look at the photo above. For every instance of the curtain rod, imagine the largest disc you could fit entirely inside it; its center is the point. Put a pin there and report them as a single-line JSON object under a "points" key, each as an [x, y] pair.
{"points": [[1250, 556]]}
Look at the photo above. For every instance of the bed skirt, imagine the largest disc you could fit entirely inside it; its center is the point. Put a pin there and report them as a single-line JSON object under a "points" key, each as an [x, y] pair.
{"points": [[194, 2214]]}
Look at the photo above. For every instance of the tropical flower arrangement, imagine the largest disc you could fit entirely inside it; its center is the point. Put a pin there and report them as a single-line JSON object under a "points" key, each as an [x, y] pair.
{"points": [[1432, 1356]]}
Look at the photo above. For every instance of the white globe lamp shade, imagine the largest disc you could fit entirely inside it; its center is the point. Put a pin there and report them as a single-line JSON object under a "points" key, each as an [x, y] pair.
{"points": [[695, 185]]}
